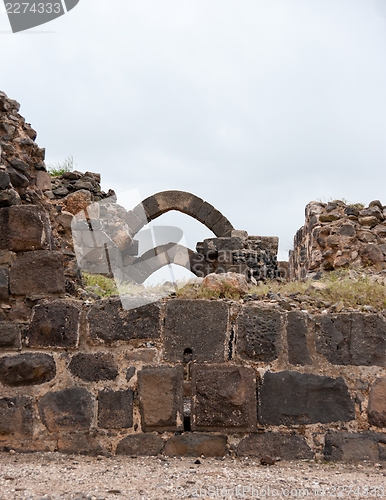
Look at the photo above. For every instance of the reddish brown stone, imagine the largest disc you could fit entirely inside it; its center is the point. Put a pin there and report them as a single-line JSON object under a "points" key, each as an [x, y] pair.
{"points": [[193, 444], [377, 403]]}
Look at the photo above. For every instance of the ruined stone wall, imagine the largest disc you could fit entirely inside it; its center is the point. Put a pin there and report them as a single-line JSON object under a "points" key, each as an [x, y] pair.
{"points": [[337, 235], [179, 377], [193, 377]]}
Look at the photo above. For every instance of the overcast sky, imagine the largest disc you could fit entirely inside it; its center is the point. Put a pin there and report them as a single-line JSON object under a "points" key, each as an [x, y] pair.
{"points": [[257, 106]]}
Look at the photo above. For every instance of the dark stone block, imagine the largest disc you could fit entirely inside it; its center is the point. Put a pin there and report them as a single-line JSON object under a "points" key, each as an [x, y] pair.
{"points": [[115, 409], [69, 409], [108, 322], [377, 403], [18, 179], [259, 333], [223, 227], [354, 447], [368, 340], [297, 338], [196, 445], [223, 398], [333, 336], [222, 244], [39, 272], [94, 367], [16, 416], [200, 325], [352, 339], [21, 229], [292, 398], [4, 180], [9, 335], [4, 284], [274, 444], [204, 212], [80, 443], [161, 398], [140, 444], [27, 369], [54, 324], [213, 218], [130, 373]]}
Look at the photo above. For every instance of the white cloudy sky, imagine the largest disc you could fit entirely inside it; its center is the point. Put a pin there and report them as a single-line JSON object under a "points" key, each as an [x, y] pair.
{"points": [[257, 106]]}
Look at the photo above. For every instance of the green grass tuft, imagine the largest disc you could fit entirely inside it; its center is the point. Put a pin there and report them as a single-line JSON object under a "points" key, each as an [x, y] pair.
{"points": [[57, 169]]}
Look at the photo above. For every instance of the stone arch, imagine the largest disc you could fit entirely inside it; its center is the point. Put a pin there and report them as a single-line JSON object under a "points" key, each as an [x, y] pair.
{"points": [[184, 202], [163, 255]]}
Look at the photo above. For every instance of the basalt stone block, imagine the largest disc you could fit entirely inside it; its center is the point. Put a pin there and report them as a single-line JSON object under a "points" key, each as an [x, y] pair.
{"points": [[140, 444], [297, 326], [4, 287], [69, 409], [333, 332], [4, 180], [224, 397], [94, 367], [21, 229], [196, 445], [18, 179], [109, 322], [377, 403], [292, 398], [10, 335], [130, 373], [222, 244], [259, 333], [54, 324], [368, 340], [161, 398], [352, 338], [354, 447], [274, 444], [223, 228], [115, 409], [16, 416], [199, 325], [39, 272], [80, 443], [9, 197], [27, 369]]}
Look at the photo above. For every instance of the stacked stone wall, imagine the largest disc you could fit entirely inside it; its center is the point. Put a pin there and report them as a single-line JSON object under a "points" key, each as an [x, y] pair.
{"points": [[193, 377], [338, 235], [179, 377]]}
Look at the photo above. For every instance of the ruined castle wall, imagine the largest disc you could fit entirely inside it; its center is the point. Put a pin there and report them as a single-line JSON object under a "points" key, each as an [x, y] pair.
{"points": [[193, 377], [179, 377], [337, 235]]}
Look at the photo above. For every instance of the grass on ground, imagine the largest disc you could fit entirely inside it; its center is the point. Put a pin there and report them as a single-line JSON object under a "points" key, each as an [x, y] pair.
{"points": [[353, 288]]}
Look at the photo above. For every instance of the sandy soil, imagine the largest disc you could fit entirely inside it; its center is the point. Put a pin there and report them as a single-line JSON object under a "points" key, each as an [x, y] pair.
{"points": [[52, 476]]}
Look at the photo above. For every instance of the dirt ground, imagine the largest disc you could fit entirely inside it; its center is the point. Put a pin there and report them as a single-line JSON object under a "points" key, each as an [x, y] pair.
{"points": [[52, 476]]}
